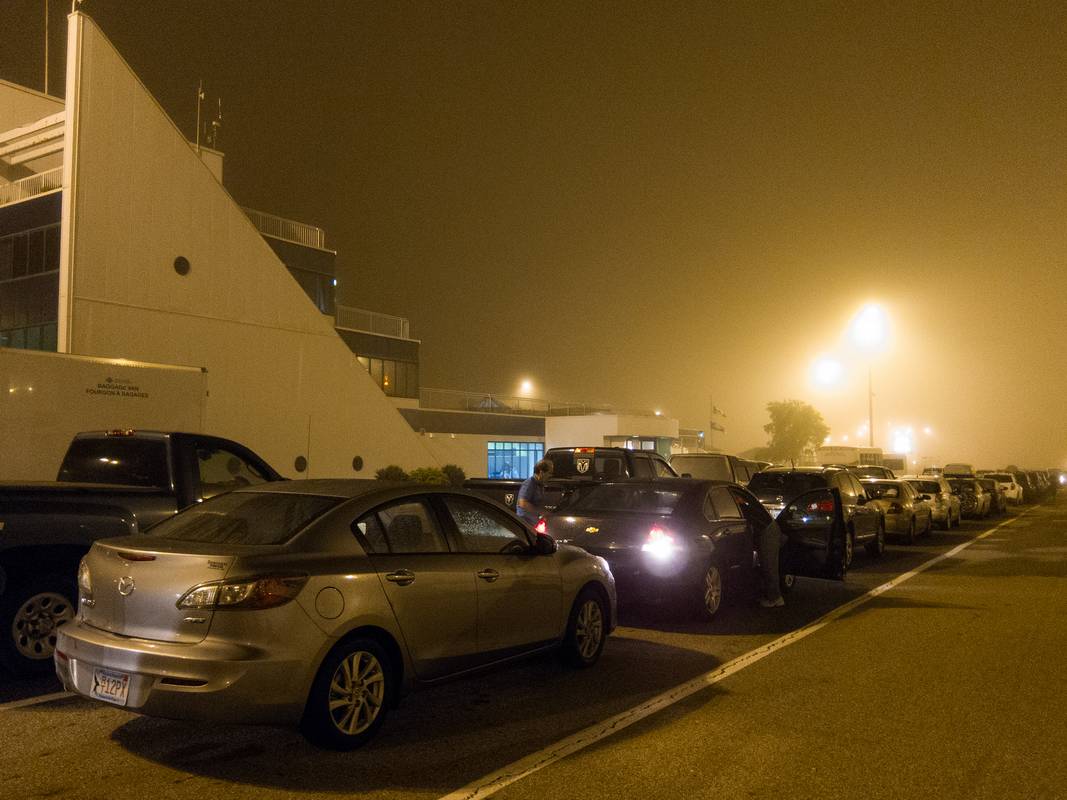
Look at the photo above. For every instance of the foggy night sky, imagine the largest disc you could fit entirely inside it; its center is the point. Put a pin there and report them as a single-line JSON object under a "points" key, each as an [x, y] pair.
{"points": [[688, 199]]}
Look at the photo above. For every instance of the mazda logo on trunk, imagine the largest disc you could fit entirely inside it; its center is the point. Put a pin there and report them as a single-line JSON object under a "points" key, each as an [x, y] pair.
{"points": [[126, 586]]}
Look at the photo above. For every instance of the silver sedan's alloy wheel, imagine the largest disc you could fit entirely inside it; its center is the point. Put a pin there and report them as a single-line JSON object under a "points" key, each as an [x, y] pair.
{"points": [[850, 545], [589, 628], [712, 586], [34, 627], [357, 692]]}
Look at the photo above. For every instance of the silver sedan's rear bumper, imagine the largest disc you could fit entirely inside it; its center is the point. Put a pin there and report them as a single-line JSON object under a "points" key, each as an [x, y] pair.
{"points": [[209, 680]]}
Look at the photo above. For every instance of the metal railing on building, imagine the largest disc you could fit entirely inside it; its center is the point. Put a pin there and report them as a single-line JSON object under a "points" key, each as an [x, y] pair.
{"points": [[287, 229], [487, 402], [359, 319], [32, 186]]}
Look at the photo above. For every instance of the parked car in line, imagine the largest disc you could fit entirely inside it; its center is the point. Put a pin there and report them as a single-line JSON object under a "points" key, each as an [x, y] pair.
{"points": [[944, 505], [715, 467], [1046, 489], [110, 483], [1013, 492], [576, 469], [974, 500], [906, 512], [958, 470], [777, 486], [935, 471], [320, 602], [687, 539], [1030, 492], [998, 500]]}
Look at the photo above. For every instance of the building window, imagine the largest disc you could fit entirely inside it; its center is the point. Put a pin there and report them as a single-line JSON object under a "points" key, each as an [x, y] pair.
{"points": [[513, 459], [29, 289], [395, 378]]}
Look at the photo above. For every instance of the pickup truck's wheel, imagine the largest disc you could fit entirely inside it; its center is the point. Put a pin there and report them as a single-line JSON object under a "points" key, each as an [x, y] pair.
{"points": [[30, 614]]}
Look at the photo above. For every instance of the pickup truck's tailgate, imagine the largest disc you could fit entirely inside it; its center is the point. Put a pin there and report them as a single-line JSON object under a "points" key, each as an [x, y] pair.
{"points": [[135, 591]]}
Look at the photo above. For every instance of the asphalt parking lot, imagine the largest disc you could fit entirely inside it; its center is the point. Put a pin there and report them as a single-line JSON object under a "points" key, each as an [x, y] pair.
{"points": [[890, 695]]}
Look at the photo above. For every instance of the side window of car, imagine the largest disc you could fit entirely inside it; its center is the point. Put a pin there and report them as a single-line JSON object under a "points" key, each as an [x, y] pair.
{"points": [[741, 474], [371, 534], [642, 468], [483, 530], [848, 491], [410, 527], [222, 470], [724, 503], [662, 469]]}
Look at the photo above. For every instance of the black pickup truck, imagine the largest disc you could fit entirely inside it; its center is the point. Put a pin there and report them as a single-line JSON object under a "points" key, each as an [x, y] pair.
{"points": [[577, 467], [110, 483]]}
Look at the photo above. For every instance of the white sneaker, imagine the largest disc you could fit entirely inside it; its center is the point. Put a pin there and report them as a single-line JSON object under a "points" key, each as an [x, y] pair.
{"points": [[772, 603]]}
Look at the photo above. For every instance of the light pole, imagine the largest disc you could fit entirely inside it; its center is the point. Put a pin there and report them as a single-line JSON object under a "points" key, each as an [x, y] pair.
{"points": [[870, 332]]}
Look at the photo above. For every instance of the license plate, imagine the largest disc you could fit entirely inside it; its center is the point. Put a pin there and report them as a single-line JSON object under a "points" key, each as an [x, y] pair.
{"points": [[110, 686]]}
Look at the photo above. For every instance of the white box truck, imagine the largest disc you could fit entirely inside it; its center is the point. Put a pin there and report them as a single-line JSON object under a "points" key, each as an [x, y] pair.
{"points": [[46, 398]]}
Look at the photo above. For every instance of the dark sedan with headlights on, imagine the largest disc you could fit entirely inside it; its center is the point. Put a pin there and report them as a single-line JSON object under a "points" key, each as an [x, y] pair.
{"points": [[682, 538], [318, 602]]}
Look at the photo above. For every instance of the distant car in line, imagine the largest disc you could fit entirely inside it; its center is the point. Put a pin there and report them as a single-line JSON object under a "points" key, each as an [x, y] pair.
{"points": [[907, 513], [958, 470], [1013, 492], [872, 471], [319, 602], [998, 500], [776, 487], [974, 500], [944, 505], [684, 539]]}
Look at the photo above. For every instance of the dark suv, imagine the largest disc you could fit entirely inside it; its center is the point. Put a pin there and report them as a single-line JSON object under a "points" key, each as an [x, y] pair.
{"points": [[777, 486]]}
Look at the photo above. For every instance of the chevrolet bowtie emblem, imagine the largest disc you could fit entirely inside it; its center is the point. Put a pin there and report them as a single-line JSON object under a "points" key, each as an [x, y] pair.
{"points": [[592, 529]]}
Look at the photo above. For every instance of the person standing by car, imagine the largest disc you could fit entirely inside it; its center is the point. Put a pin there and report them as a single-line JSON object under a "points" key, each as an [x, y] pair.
{"points": [[530, 505]]}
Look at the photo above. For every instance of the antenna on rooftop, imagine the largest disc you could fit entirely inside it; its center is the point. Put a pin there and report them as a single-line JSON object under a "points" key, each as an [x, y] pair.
{"points": [[216, 125], [199, 100]]}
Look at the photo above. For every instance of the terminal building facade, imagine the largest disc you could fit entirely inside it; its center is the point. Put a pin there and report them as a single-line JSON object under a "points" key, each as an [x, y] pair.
{"points": [[119, 240]]}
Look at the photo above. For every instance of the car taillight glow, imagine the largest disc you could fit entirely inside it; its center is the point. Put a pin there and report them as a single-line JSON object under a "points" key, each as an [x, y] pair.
{"points": [[267, 591], [541, 526], [825, 506], [660, 544]]}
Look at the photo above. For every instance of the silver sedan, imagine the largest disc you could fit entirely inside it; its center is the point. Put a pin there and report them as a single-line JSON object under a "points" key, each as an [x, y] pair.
{"points": [[320, 603]]}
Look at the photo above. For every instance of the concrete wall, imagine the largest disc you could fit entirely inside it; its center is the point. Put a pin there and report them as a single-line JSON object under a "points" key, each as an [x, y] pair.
{"points": [[138, 197], [591, 430]]}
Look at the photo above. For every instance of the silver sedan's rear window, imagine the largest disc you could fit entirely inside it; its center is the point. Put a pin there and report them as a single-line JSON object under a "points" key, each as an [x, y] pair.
{"points": [[248, 518]]}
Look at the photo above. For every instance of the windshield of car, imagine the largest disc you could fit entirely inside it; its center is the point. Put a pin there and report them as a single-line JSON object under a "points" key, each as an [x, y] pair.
{"points": [[927, 487], [960, 485], [869, 471], [787, 484], [123, 460], [250, 518], [707, 467], [620, 497], [882, 490]]}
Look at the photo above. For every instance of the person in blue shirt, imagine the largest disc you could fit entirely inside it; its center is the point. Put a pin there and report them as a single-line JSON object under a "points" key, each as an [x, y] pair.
{"points": [[530, 505]]}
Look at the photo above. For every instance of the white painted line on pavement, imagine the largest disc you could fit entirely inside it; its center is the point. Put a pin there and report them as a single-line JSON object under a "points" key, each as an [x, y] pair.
{"points": [[517, 770], [35, 701]]}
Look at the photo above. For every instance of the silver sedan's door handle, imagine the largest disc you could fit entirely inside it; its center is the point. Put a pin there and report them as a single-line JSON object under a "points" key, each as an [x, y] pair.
{"points": [[488, 575], [401, 576]]}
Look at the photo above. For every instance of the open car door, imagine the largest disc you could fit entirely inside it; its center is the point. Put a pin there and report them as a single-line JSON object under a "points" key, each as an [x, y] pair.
{"points": [[814, 525]]}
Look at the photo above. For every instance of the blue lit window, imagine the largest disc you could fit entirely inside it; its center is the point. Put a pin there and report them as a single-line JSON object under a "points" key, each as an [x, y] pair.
{"points": [[513, 459]]}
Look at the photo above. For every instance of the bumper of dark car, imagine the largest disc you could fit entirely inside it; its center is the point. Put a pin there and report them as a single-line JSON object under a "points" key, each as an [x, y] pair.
{"points": [[641, 577]]}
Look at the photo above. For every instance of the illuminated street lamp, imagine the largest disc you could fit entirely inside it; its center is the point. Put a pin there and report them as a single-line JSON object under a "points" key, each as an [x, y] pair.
{"points": [[526, 387], [870, 332]]}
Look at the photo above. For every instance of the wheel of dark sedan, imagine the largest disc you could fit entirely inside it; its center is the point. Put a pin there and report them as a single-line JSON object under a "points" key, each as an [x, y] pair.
{"points": [[876, 546], [30, 615], [787, 581], [350, 695], [708, 597], [586, 630], [850, 549]]}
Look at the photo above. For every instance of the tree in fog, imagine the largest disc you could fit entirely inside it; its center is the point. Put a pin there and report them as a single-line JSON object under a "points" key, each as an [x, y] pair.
{"points": [[794, 427]]}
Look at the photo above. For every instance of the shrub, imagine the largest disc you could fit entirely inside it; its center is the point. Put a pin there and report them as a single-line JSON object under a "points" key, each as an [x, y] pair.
{"points": [[454, 474], [391, 473], [428, 475]]}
